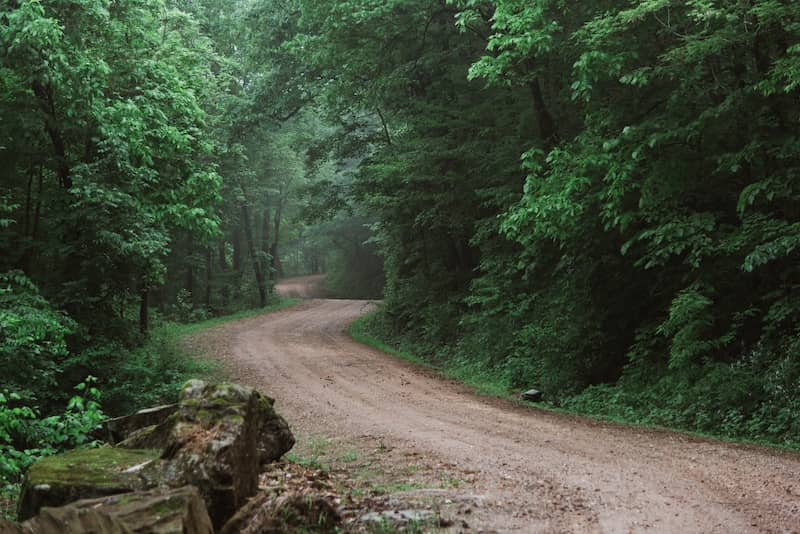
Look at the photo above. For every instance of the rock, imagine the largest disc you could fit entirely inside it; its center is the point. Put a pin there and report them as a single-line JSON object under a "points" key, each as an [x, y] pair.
{"points": [[216, 438], [121, 428], [273, 436], [86, 473], [212, 443], [290, 512], [400, 517], [149, 437], [532, 395], [51, 521], [175, 511]]}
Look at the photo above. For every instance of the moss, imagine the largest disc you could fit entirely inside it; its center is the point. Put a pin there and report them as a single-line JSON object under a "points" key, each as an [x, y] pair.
{"points": [[236, 419], [88, 467], [168, 507], [205, 417]]}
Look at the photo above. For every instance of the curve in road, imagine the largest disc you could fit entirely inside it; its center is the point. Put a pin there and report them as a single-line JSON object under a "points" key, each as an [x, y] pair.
{"points": [[533, 471]]}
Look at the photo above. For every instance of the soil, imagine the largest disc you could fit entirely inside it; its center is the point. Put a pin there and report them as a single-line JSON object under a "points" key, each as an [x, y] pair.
{"points": [[406, 438]]}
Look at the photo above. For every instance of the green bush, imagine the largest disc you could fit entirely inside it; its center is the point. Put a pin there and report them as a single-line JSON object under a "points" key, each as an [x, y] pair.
{"points": [[26, 436], [33, 346], [148, 375]]}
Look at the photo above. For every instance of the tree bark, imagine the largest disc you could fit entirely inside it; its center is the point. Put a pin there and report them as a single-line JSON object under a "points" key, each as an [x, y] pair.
{"points": [[37, 212], [223, 261], [190, 270], [209, 276], [547, 126], [265, 237], [248, 233], [273, 250], [45, 96], [28, 200], [237, 248], [144, 310], [31, 220]]}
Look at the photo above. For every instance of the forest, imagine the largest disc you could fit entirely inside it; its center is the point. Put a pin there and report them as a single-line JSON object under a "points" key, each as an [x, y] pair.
{"points": [[599, 199]]}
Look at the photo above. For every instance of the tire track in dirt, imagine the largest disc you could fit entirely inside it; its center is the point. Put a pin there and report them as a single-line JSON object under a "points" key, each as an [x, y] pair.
{"points": [[530, 471]]}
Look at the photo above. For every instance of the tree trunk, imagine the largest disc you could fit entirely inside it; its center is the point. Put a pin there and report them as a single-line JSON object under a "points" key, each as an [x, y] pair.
{"points": [[37, 212], [265, 238], [144, 310], [28, 200], [248, 233], [190, 270], [237, 248], [209, 276], [547, 126], [223, 261], [276, 261], [46, 101]]}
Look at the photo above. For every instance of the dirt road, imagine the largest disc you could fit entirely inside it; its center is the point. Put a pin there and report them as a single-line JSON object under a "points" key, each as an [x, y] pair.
{"points": [[507, 468]]}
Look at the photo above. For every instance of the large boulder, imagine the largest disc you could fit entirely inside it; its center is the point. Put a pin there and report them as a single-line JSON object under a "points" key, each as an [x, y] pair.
{"points": [[87, 473], [151, 429], [119, 428], [273, 436], [217, 438], [176, 511], [216, 441]]}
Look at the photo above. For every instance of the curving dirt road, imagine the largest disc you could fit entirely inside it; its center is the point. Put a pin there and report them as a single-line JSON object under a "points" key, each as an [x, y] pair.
{"points": [[516, 469]]}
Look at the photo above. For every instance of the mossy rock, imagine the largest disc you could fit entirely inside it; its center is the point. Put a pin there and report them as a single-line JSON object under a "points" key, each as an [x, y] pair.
{"points": [[87, 473], [274, 438], [163, 511], [119, 429]]}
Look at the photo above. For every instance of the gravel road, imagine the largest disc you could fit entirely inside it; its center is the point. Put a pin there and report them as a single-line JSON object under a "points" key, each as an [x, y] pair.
{"points": [[520, 469]]}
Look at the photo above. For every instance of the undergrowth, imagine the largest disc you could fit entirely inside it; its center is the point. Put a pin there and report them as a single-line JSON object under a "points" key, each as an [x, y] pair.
{"points": [[711, 401], [130, 380]]}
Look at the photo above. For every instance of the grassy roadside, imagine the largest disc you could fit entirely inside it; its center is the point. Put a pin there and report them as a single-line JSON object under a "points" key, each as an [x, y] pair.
{"points": [[492, 383], [153, 373], [482, 381], [178, 331]]}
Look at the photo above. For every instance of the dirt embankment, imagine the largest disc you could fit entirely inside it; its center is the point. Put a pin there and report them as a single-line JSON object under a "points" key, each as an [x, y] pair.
{"points": [[488, 464]]}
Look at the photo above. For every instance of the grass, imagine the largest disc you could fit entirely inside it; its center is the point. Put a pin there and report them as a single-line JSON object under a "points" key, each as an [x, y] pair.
{"points": [[387, 527], [318, 448], [181, 330], [349, 457], [360, 332], [483, 381], [153, 373], [489, 383]]}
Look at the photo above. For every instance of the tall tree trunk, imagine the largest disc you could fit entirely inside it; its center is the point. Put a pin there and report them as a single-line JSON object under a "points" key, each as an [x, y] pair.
{"points": [[223, 261], [47, 103], [28, 201], [276, 261], [37, 212], [259, 272], [265, 238], [225, 290], [547, 126], [237, 248], [209, 276], [190, 270], [144, 309], [25, 259], [31, 222]]}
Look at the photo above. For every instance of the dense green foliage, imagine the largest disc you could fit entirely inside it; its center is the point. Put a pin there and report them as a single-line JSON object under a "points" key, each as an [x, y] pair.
{"points": [[141, 182], [597, 199], [577, 195]]}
